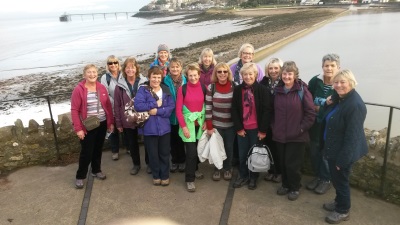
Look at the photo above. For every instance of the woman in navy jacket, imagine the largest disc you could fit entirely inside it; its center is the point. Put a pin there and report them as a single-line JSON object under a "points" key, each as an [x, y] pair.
{"points": [[157, 100], [343, 140]]}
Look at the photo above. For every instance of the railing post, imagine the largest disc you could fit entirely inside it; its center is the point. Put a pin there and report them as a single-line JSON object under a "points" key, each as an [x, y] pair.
{"points": [[384, 166], [53, 125]]}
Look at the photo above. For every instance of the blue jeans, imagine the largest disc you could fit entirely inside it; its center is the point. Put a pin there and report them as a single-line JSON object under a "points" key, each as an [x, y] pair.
{"points": [[319, 164], [228, 135], [244, 144], [158, 150], [340, 180]]}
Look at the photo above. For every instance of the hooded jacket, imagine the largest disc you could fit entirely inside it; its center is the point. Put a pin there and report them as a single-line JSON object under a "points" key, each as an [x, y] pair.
{"points": [[110, 87], [168, 81]]}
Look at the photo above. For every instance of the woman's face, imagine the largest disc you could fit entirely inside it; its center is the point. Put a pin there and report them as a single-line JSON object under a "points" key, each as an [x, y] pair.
{"points": [[273, 70], [155, 80], [247, 55], [288, 78], [222, 74], [330, 68], [163, 56], [91, 75], [130, 70], [207, 60], [249, 77], [113, 66], [193, 76], [342, 86], [175, 69]]}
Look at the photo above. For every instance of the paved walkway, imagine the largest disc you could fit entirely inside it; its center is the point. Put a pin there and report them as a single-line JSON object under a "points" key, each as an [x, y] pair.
{"points": [[46, 196]]}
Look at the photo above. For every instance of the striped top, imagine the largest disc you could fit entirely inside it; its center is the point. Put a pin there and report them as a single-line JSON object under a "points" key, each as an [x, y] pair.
{"points": [[92, 106], [219, 106], [327, 88]]}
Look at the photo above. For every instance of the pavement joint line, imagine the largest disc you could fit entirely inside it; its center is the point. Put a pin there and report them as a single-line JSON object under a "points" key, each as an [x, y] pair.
{"points": [[228, 201], [86, 200]]}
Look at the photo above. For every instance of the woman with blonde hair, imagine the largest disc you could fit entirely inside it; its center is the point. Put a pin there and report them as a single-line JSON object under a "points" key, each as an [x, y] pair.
{"points": [[246, 55], [206, 62]]}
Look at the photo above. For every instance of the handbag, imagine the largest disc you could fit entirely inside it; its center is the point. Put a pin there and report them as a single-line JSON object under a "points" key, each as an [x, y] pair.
{"points": [[92, 122], [134, 117]]}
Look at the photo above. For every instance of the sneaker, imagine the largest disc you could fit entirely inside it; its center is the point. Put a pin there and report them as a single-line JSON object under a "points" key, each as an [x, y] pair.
{"points": [[252, 184], [199, 175], [240, 182], [268, 177], [128, 152], [79, 184], [282, 191], [323, 187], [293, 195], [148, 169], [174, 168], [330, 206], [99, 175], [181, 167], [165, 182], [277, 178], [228, 174], [156, 182], [190, 187], [115, 156], [135, 170], [313, 184], [335, 217], [217, 175]]}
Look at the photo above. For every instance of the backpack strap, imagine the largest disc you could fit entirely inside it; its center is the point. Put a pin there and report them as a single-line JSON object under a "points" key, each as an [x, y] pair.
{"points": [[301, 92], [184, 88], [108, 79]]}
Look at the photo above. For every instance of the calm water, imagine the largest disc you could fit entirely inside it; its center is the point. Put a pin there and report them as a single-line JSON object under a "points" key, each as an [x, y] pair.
{"points": [[369, 45]]}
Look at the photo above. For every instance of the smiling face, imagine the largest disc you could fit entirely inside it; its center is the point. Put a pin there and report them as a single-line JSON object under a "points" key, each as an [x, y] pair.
{"points": [[288, 78], [113, 66], [155, 80], [90, 74], [130, 70], [175, 69], [247, 55], [273, 70], [222, 74], [163, 56], [193, 76], [342, 86], [330, 68], [207, 60], [249, 77]]}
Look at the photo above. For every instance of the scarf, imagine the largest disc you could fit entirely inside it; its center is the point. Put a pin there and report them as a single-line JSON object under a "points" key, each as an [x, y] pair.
{"points": [[236, 76], [273, 84], [248, 99], [177, 82]]}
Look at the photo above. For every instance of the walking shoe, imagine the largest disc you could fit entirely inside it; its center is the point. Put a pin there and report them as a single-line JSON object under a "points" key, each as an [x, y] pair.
{"points": [[99, 175], [323, 187], [165, 182], [135, 170], [293, 195], [252, 184], [240, 182], [199, 175], [115, 156], [148, 169], [335, 217], [277, 178], [190, 187], [128, 152], [330, 206], [228, 174], [79, 184], [268, 177], [313, 184], [282, 191], [174, 168], [181, 167], [156, 182], [217, 175]]}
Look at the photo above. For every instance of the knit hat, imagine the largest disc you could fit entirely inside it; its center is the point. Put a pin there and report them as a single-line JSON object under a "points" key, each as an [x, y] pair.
{"points": [[162, 47]]}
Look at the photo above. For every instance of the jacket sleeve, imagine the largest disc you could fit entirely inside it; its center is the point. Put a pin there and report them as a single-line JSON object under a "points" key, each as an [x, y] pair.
{"points": [[236, 106], [76, 102], [179, 108], [167, 106], [119, 106], [260, 73], [308, 110], [107, 105], [144, 101]]}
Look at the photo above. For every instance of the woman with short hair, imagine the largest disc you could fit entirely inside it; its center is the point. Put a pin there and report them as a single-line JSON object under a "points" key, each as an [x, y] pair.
{"points": [[246, 55], [206, 62]]}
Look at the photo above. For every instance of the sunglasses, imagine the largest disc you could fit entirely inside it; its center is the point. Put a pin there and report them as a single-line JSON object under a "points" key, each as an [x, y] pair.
{"points": [[110, 63], [222, 71]]}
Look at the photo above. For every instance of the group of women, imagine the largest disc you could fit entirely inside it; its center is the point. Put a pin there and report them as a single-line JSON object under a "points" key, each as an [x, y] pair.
{"points": [[242, 104]]}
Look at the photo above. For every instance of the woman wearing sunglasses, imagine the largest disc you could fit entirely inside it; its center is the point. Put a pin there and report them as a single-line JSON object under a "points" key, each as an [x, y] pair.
{"points": [[110, 80], [218, 114]]}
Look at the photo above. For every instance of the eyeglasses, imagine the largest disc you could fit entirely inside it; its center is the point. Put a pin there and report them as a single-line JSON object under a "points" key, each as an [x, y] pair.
{"points": [[247, 53], [110, 63], [222, 71]]}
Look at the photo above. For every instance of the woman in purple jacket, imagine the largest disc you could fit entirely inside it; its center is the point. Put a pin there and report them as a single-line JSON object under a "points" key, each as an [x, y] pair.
{"points": [[294, 115], [158, 101]]}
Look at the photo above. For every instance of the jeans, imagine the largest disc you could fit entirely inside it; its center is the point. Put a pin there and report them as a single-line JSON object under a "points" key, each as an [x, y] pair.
{"points": [[158, 150], [340, 181], [319, 164], [292, 158], [91, 151], [177, 146], [244, 144], [228, 135], [131, 135]]}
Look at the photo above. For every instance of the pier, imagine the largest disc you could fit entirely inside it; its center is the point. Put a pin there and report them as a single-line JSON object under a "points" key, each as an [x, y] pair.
{"points": [[68, 17]]}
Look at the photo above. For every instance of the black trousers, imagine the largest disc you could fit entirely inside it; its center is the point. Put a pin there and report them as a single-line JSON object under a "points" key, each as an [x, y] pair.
{"points": [[192, 160], [158, 150], [276, 168], [91, 151], [131, 136], [177, 146], [291, 157]]}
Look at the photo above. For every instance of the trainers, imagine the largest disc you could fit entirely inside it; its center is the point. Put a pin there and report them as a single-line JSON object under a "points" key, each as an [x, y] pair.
{"points": [[148, 169], [293, 195], [99, 175], [165, 182], [240, 182], [199, 175], [217, 175], [282, 191], [277, 178], [335, 217], [268, 177], [252, 184], [190, 187], [135, 170], [156, 182], [228, 174], [174, 168], [181, 167], [115, 156], [313, 184], [323, 187], [330, 206], [79, 184]]}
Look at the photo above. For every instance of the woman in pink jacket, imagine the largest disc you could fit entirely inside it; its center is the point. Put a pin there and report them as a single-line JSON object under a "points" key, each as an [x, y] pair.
{"points": [[90, 98]]}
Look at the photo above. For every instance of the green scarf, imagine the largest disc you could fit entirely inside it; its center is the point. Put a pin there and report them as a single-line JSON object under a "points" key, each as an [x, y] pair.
{"points": [[190, 117]]}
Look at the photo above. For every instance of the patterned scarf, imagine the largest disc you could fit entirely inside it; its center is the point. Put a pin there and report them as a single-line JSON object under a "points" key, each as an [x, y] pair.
{"points": [[248, 99], [236, 77], [177, 82], [273, 84]]}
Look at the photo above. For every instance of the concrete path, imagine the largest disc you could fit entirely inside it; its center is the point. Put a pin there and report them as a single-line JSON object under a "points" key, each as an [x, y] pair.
{"points": [[46, 196]]}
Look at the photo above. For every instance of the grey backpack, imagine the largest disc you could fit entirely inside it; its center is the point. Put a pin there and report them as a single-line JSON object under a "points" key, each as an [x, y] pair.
{"points": [[259, 158]]}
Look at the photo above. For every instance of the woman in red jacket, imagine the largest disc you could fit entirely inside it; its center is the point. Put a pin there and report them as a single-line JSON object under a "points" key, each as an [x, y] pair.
{"points": [[90, 98]]}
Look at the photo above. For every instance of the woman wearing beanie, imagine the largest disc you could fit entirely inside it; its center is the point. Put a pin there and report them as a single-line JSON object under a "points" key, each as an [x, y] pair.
{"points": [[162, 58]]}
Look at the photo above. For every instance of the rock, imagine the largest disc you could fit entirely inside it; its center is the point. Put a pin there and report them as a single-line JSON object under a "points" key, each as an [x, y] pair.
{"points": [[19, 127], [33, 126], [6, 133], [48, 125]]}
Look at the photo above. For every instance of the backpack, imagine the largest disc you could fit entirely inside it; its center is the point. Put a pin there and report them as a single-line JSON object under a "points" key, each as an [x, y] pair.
{"points": [[184, 88], [259, 158]]}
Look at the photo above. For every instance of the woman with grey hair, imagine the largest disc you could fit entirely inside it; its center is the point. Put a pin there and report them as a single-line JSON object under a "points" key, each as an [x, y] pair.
{"points": [[162, 58], [343, 141], [246, 55]]}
